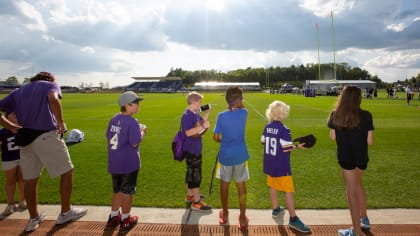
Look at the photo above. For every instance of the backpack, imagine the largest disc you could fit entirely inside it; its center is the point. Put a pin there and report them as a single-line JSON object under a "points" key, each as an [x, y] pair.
{"points": [[177, 143]]}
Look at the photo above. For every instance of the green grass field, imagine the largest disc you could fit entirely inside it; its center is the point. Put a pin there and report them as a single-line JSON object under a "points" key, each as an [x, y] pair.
{"points": [[391, 179]]}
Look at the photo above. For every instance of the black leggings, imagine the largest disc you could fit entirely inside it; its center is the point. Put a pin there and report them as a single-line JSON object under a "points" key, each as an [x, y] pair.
{"points": [[193, 175]]}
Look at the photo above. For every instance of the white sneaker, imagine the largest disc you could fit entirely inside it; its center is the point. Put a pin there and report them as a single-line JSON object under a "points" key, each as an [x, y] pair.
{"points": [[9, 210], [22, 206], [33, 224], [72, 214]]}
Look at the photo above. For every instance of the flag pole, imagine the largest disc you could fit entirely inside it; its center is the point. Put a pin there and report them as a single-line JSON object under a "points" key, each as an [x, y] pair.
{"points": [[319, 61], [333, 43]]}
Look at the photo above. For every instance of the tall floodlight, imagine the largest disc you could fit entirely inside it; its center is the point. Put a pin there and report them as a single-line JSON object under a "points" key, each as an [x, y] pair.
{"points": [[319, 60], [333, 43], [267, 78]]}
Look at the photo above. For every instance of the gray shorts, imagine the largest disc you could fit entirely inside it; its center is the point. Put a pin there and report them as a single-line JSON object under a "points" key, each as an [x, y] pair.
{"points": [[238, 172], [47, 151], [8, 165]]}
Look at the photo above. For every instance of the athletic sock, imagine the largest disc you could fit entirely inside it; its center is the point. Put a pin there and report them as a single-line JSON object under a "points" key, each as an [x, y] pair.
{"points": [[115, 213], [125, 216]]}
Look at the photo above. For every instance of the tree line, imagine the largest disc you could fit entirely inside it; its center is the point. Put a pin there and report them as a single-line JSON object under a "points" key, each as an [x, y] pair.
{"points": [[275, 77]]}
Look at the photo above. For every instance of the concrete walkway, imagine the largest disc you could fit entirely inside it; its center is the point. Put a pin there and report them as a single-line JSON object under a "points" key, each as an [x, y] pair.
{"points": [[256, 216]]}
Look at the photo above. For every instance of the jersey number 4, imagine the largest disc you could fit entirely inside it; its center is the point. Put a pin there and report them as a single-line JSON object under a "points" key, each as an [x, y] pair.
{"points": [[114, 142]]}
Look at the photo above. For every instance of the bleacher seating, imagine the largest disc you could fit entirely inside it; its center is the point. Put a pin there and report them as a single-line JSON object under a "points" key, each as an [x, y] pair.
{"points": [[165, 86]]}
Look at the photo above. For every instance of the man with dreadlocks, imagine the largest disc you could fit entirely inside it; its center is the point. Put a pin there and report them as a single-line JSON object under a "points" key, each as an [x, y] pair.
{"points": [[38, 108], [233, 153]]}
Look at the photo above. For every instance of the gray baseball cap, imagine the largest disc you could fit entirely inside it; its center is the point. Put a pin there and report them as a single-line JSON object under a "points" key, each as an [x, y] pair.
{"points": [[128, 97]]}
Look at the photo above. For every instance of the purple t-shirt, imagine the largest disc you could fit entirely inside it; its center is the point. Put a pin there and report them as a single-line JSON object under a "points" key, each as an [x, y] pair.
{"points": [[276, 138], [192, 144], [30, 103], [9, 151], [122, 133]]}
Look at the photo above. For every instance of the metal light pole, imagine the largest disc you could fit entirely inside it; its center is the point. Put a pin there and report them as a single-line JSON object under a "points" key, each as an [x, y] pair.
{"points": [[267, 78], [333, 43], [319, 60]]}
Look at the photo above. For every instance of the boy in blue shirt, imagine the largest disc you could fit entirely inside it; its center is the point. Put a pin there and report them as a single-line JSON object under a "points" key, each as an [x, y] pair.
{"points": [[233, 153]]}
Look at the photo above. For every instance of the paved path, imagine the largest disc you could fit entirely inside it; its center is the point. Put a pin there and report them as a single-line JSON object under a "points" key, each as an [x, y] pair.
{"points": [[256, 216]]}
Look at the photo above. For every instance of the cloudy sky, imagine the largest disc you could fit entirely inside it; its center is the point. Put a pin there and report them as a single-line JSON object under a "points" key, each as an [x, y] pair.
{"points": [[110, 41]]}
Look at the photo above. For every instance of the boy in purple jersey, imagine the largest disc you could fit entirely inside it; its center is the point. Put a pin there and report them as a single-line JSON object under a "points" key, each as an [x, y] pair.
{"points": [[38, 108], [12, 171], [124, 135], [194, 126], [278, 144]]}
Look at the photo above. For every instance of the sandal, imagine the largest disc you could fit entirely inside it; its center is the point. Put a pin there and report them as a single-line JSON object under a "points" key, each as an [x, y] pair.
{"points": [[221, 220], [245, 226]]}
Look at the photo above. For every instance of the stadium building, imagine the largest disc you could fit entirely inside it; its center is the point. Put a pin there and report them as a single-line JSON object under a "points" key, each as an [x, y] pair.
{"points": [[324, 87], [217, 86], [156, 84]]}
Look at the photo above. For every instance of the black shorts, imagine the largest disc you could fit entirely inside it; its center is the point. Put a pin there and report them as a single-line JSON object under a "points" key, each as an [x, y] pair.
{"points": [[409, 97], [352, 165], [193, 175], [125, 183]]}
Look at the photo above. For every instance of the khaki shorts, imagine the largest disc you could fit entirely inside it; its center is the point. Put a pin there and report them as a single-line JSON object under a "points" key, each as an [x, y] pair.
{"points": [[8, 165], [239, 172], [47, 150]]}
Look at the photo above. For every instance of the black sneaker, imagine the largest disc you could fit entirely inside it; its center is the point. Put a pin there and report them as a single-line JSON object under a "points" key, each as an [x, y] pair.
{"points": [[113, 221]]}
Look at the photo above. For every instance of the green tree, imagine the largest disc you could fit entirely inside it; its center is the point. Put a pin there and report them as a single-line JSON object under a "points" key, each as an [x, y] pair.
{"points": [[12, 80], [26, 80]]}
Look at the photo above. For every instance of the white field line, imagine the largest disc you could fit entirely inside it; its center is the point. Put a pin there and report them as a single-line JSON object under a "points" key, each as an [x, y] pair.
{"points": [[253, 108]]}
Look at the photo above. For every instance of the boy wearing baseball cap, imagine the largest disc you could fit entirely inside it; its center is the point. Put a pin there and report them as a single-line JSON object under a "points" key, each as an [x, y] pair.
{"points": [[124, 134]]}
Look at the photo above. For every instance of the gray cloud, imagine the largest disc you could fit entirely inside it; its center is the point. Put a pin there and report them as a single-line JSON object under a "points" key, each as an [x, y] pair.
{"points": [[7, 7], [284, 26]]}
